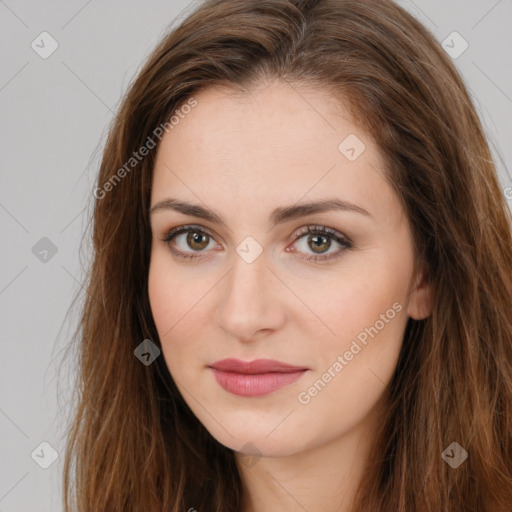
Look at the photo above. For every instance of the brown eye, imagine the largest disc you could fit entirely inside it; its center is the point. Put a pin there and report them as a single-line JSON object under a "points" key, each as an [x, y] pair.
{"points": [[319, 243], [197, 240], [188, 241], [319, 240]]}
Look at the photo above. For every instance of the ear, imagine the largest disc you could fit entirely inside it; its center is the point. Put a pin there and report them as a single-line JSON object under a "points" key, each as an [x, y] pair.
{"points": [[420, 299]]}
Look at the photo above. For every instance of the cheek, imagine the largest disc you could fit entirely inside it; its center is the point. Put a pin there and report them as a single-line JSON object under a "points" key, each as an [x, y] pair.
{"points": [[365, 314], [175, 301], [353, 369], [161, 290], [171, 293], [348, 304]]}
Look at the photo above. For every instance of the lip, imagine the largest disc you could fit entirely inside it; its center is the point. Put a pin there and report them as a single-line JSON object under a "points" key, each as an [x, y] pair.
{"points": [[255, 378], [256, 366]]}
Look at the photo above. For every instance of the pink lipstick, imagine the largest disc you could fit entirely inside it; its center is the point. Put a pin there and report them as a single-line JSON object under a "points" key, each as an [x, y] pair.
{"points": [[255, 378]]}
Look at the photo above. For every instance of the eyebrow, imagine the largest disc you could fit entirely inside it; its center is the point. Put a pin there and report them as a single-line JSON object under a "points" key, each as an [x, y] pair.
{"points": [[279, 215]]}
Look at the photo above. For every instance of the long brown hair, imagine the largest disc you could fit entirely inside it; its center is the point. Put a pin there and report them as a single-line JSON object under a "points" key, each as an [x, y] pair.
{"points": [[134, 445]]}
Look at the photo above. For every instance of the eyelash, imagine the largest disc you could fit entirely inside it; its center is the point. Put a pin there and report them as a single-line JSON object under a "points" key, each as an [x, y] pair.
{"points": [[329, 233]]}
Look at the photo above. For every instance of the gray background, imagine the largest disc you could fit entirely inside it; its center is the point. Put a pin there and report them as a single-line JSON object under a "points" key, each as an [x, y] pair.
{"points": [[54, 116]]}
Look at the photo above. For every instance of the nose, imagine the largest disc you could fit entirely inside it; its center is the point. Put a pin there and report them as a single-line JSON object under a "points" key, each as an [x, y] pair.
{"points": [[252, 303]]}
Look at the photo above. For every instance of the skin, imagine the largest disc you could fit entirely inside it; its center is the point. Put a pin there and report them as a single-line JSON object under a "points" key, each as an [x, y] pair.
{"points": [[244, 155]]}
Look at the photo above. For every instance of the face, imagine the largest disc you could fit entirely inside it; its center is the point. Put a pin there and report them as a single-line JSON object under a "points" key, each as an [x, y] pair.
{"points": [[240, 276]]}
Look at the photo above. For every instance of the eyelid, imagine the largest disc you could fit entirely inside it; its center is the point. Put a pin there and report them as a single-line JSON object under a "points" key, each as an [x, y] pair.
{"points": [[185, 228], [314, 228], [296, 234]]}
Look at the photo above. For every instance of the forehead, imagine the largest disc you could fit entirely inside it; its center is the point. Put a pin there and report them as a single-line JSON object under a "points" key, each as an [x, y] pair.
{"points": [[273, 144]]}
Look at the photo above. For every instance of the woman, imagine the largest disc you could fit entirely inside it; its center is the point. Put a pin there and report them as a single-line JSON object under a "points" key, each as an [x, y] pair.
{"points": [[301, 286]]}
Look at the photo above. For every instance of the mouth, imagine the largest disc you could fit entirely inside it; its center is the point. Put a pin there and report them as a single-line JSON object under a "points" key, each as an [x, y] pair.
{"points": [[255, 378]]}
